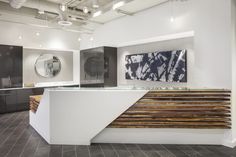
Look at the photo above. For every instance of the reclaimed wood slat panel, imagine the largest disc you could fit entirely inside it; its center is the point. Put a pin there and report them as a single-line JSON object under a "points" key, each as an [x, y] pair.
{"points": [[179, 109]]}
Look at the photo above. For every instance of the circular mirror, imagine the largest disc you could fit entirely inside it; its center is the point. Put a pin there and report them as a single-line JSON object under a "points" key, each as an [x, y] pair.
{"points": [[47, 65]]}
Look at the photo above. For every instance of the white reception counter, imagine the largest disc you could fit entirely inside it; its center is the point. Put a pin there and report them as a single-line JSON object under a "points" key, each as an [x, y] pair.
{"points": [[80, 116]]}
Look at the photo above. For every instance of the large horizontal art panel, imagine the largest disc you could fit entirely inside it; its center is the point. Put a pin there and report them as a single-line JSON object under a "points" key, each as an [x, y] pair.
{"points": [[164, 66]]}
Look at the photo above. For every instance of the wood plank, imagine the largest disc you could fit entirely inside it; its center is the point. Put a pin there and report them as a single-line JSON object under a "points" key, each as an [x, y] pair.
{"points": [[180, 112], [171, 123], [182, 107], [216, 115], [187, 99], [151, 101], [173, 126], [200, 119]]}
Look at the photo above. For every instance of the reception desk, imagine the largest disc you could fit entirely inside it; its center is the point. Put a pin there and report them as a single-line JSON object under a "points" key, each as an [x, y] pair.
{"points": [[82, 116]]}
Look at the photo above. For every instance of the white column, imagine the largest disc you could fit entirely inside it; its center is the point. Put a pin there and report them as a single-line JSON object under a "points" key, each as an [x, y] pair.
{"points": [[233, 27]]}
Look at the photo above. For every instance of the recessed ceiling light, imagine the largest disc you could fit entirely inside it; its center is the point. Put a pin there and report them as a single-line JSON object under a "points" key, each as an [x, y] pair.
{"points": [[118, 5], [91, 39], [20, 37], [37, 34], [65, 23], [172, 19], [85, 10], [97, 13], [79, 39]]}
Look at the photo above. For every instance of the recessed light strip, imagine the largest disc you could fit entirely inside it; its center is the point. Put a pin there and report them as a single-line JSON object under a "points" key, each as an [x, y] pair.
{"points": [[118, 5], [97, 13]]}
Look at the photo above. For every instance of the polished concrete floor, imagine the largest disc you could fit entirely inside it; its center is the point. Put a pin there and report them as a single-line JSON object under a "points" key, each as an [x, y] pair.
{"points": [[18, 139]]}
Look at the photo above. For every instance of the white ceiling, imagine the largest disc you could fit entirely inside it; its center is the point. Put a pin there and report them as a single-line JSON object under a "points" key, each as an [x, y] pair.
{"points": [[28, 14], [130, 8]]}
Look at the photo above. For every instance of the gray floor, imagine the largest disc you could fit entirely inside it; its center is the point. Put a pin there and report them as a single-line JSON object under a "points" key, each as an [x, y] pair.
{"points": [[18, 139]]}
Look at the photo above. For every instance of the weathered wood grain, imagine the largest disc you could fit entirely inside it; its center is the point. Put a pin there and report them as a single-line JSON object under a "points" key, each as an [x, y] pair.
{"points": [[179, 109], [34, 102]]}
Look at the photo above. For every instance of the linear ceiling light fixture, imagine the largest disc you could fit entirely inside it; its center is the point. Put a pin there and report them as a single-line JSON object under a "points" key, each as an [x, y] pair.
{"points": [[118, 5], [41, 12], [97, 13], [95, 4]]}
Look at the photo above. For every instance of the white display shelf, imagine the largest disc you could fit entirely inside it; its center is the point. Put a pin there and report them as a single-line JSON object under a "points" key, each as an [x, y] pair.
{"points": [[159, 38]]}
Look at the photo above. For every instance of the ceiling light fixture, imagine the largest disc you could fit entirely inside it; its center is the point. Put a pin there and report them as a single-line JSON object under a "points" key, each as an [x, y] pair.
{"points": [[20, 37], [79, 39], [37, 34], [85, 10], [63, 7], [97, 13], [91, 39], [95, 4], [41, 12], [172, 19], [65, 23], [118, 5]]}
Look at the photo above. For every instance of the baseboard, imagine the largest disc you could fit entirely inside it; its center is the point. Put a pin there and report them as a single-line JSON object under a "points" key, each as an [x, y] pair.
{"points": [[229, 143], [161, 136]]}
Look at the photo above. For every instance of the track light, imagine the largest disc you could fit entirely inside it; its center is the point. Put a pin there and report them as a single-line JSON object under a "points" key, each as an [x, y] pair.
{"points": [[63, 7], [118, 5], [85, 10], [95, 4]]}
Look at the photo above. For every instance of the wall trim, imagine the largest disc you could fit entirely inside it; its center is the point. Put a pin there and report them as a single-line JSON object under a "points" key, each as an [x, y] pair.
{"points": [[49, 49]]}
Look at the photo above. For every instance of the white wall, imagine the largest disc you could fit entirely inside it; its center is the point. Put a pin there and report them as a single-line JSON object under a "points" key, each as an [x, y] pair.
{"points": [[209, 19], [30, 57], [48, 39]]}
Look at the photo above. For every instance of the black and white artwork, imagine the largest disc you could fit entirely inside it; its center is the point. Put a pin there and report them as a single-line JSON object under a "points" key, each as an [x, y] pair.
{"points": [[164, 66]]}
